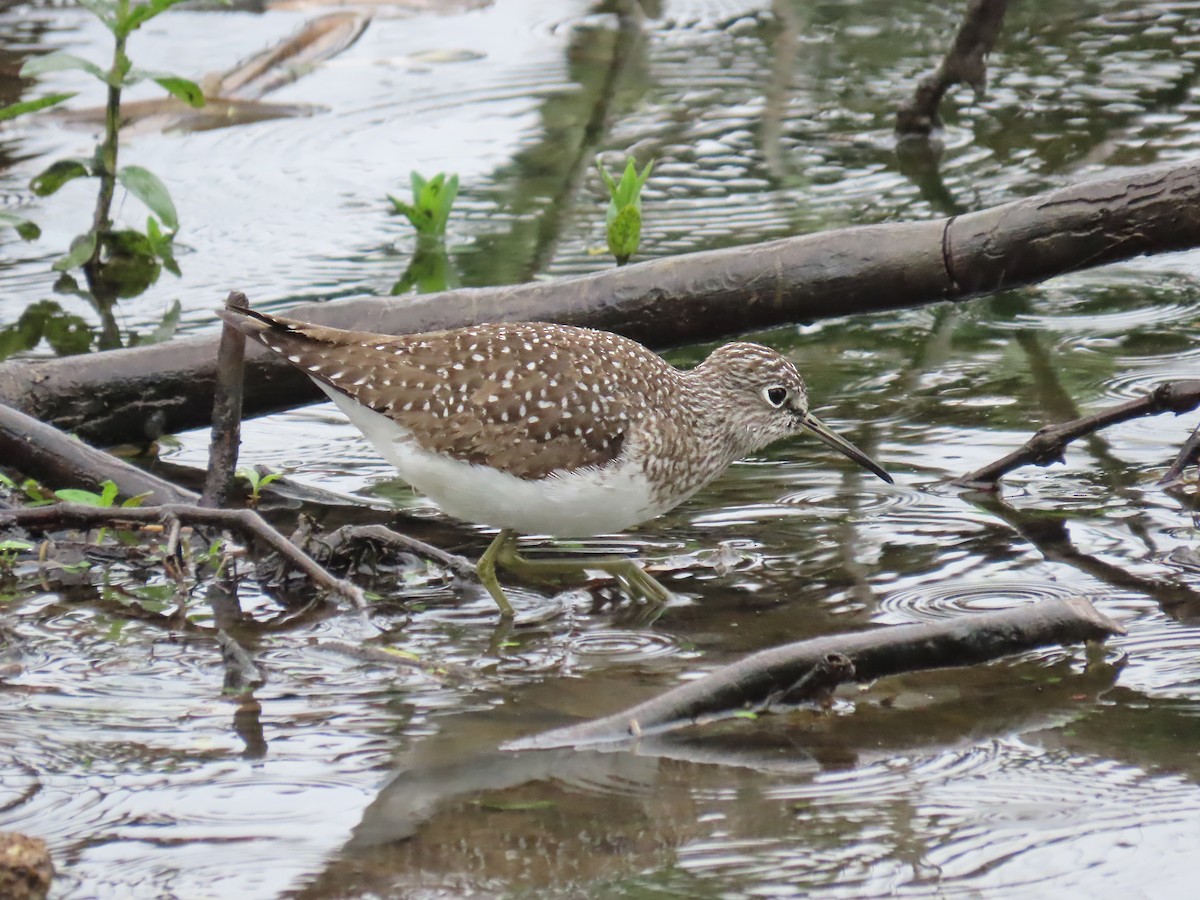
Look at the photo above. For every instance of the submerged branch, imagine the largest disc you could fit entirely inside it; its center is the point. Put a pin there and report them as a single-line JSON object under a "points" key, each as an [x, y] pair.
{"points": [[1048, 444], [805, 670]]}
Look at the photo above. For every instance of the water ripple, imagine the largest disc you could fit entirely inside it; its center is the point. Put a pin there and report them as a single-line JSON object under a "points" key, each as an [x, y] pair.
{"points": [[609, 646], [944, 601]]}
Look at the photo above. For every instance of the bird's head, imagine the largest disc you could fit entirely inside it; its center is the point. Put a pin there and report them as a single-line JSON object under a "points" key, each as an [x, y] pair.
{"points": [[769, 400]]}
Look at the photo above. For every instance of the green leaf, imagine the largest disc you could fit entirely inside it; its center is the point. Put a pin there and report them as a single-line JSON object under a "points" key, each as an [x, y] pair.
{"points": [[141, 13], [147, 187], [81, 251], [61, 62], [187, 91], [431, 203], [136, 500], [73, 495], [58, 174], [104, 10], [108, 492], [16, 545], [26, 229], [7, 482], [162, 246], [27, 106]]}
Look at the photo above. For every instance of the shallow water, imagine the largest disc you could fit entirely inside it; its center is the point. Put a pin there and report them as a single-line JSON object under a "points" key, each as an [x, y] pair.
{"points": [[1045, 774]]}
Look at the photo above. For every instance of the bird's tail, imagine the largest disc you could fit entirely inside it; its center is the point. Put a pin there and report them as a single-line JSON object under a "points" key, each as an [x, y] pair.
{"points": [[253, 323]]}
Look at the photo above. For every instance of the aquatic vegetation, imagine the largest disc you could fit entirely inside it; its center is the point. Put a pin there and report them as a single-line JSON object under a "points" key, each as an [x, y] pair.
{"points": [[624, 218], [116, 262], [257, 482], [431, 203]]}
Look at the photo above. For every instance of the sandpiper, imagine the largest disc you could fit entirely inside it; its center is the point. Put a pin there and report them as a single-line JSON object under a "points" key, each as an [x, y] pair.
{"points": [[535, 428]]}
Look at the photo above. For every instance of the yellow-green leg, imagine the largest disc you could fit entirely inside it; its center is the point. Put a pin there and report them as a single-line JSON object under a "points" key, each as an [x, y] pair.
{"points": [[503, 552], [635, 581], [486, 568]]}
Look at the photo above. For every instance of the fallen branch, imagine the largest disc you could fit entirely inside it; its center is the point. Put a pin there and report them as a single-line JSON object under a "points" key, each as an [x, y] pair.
{"points": [[105, 397], [796, 672], [964, 63], [42, 452], [245, 521], [1048, 444]]}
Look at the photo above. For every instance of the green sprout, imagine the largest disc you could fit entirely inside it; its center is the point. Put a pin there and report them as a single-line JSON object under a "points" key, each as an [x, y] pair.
{"points": [[624, 218], [430, 207], [257, 482]]}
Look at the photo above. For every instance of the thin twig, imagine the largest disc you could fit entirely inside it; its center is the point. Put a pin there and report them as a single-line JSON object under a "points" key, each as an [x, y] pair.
{"points": [[1048, 444], [246, 521]]}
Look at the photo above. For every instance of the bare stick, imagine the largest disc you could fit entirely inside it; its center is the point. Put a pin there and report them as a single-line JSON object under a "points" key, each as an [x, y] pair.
{"points": [[796, 672], [227, 413], [964, 63], [1048, 444], [246, 521]]}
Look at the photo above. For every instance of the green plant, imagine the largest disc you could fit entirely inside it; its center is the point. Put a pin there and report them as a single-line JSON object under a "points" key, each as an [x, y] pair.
{"points": [[116, 262], [624, 219], [214, 557], [10, 550], [430, 207], [105, 499], [257, 482]]}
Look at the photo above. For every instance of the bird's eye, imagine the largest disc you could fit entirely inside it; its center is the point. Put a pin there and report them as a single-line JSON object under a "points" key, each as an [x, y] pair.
{"points": [[775, 395]]}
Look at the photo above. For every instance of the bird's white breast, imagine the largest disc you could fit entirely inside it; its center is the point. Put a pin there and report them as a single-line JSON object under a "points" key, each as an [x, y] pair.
{"points": [[580, 503]]}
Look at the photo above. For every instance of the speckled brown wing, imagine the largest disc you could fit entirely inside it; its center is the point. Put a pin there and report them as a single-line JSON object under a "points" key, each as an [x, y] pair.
{"points": [[527, 398]]}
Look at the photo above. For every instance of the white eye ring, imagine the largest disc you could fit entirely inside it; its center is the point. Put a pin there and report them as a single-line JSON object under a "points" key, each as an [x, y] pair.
{"points": [[776, 395]]}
